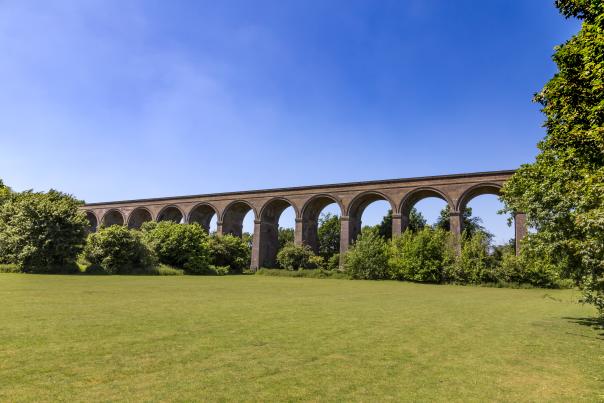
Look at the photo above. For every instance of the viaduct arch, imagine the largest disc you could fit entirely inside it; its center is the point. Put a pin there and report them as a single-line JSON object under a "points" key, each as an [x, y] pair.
{"points": [[267, 205]]}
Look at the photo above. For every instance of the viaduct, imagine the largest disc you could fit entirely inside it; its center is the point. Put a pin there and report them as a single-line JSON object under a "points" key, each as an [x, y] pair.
{"points": [[307, 201]]}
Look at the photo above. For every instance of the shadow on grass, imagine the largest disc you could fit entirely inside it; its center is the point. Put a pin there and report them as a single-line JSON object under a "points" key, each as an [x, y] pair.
{"points": [[595, 323]]}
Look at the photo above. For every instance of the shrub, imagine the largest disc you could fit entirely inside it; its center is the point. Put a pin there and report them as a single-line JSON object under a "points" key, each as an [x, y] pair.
{"points": [[420, 256], [316, 262], [368, 257], [230, 251], [295, 257], [117, 250], [41, 232], [9, 268], [473, 265], [184, 246], [333, 263]]}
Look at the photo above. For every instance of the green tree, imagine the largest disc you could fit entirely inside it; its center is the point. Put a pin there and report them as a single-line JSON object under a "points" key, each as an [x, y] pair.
{"points": [[118, 250], [229, 250], [417, 222], [41, 232], [367, 258], [328, 235], [182, 245], [286, 235], [385, 227], [5, 191], [471, 225], [562, 191]]}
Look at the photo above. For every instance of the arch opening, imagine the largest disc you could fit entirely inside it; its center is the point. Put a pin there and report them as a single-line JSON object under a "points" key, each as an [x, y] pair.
{"points": [[92, 222], [424, 206], [269, 231], [171, 213], [204, 215], [376, 210], [113, 217], [234, 218], [321, 225], [138, 217]]}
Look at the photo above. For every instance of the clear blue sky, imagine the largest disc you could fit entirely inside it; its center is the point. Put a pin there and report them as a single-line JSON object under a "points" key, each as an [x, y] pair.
{"points": [[129, 99]]}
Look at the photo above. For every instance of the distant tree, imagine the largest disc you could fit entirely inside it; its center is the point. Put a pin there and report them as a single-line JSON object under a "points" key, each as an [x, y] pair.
{"points": [[385, 227], [286, 235], [417, 222], [562, 192], [471, 225], [328, 235]]}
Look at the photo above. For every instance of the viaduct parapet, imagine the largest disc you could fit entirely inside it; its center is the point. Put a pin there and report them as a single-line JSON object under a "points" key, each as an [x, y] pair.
{"points": [[307, 201]]}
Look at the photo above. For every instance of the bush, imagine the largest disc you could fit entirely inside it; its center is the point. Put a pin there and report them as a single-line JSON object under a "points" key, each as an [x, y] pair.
{"points": [[295, 257], [333, 263], [117, 250], [473, 265], [41, 232], [183, 246], [420, 256], [9, 268], [230, 251], [368, 257]]}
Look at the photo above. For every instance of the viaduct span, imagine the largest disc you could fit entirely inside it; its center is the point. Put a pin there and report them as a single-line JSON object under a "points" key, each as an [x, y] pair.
{"points": [[307, 201]]}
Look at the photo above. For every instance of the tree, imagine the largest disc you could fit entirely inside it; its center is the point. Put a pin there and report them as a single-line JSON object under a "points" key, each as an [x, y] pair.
{"points": [[118, 250], [471, 225], [182, 245], [367, 258], [417, 222], [286, 235], [328, 235], [385, 227], [41, 232], [5, 191], [562, 191]]}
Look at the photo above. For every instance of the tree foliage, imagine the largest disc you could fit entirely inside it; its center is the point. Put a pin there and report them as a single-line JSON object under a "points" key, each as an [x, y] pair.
{"points": [[181, 245], [41, 232], [368, 257], [285, 236], [328, 235], [295, 257], [471, 225], [420, 255], [231, 251], [562, 192], [118, 250]]}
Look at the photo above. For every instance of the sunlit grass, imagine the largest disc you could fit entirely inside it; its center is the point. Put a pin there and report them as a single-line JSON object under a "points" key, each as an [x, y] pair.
{"points": [[94, 338]]}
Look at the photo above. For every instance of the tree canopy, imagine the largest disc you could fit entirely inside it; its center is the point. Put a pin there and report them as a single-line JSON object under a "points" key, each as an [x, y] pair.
{"points": [[562, 191]]}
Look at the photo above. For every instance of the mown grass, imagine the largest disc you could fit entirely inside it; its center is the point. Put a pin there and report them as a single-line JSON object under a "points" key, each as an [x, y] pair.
{"points": [[149, 338]]}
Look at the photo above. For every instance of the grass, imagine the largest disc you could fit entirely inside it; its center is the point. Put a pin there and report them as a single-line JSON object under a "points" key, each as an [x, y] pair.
{"points": [[99, 338]]}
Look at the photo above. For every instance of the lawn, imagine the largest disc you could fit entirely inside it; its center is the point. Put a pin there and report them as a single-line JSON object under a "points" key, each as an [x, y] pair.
{"points": [[95, 338]]}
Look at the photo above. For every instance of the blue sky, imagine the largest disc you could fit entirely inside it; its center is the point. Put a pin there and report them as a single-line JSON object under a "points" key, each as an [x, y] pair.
{"points": [[116, 100]]}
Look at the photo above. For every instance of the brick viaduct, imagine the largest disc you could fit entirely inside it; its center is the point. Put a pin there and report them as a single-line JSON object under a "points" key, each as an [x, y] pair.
{"points": [[307, 201]]}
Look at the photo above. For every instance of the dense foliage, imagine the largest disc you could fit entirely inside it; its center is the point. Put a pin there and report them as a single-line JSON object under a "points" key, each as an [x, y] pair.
{"points": [[296, 257], [328, 235], [562, 192], [420, 256], [118, 250], [368, 257], [40, 232], [230, 251], [471, 225], [181, 245], [285, 236]]}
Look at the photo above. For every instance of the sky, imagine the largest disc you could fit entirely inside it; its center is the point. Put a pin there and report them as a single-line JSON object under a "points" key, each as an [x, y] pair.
{"points": [[113, 100]]}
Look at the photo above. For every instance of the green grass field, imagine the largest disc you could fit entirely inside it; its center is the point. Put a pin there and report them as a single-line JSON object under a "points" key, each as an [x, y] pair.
{"points": [[99, 338]]}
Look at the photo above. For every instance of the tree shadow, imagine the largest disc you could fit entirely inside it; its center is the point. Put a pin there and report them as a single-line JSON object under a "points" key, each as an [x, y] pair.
{"points": [[596, 324]]}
